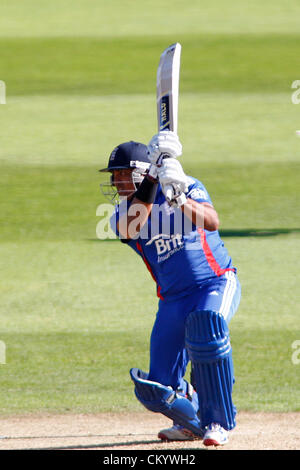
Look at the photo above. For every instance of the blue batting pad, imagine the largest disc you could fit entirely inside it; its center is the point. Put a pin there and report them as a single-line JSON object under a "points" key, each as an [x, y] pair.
{"points": [[161, 399], [209, 349]]}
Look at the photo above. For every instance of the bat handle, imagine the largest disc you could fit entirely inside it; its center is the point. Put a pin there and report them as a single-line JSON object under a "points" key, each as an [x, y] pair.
{"points": [[169, 192]]}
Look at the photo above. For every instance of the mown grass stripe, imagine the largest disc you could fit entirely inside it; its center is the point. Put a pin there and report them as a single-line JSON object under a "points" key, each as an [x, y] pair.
{"points": [[235, 63]]}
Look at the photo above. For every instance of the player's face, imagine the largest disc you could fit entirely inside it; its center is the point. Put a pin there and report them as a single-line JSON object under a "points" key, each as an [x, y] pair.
{"points": [[122, 180]]}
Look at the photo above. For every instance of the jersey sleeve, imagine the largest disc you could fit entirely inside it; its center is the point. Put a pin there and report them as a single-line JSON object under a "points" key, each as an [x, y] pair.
{"points": [[197, 191]]}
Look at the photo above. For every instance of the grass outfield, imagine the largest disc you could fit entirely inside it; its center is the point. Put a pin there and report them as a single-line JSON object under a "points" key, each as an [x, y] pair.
{"points": [[123, 18], [51, 184], [70, 343], [100, 66], [76, 312], [69, 340]]}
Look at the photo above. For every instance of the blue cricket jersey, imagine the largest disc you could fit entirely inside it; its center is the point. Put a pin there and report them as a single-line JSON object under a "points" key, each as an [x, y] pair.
{"points": [[179, 255]]}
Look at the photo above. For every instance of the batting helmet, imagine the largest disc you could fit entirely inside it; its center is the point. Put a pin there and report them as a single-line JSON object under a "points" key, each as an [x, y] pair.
{"points": [[128, 155]]}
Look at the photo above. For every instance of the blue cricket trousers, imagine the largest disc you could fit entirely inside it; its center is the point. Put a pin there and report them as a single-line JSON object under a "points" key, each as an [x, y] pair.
{"points": [[168, 356]]}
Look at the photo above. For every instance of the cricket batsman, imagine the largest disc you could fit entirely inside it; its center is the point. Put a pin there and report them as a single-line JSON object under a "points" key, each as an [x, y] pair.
{"points": [[169, 220]]}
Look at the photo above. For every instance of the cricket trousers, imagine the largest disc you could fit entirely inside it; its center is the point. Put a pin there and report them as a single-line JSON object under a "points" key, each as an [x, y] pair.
{"points": [[168, 356]]}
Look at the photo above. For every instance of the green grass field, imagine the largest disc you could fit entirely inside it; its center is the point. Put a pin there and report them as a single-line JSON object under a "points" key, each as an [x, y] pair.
{"points": [[77, 312]]}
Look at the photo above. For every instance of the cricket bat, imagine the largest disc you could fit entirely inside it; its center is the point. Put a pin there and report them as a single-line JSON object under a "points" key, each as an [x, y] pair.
{"points": [[167, 92]]}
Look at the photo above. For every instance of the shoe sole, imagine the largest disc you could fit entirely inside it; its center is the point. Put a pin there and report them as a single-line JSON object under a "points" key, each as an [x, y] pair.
{"points": [[213, 442], [163, 437]]}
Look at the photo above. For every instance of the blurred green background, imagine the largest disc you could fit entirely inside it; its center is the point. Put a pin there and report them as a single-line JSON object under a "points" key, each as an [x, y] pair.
{"points": [[77, 312]]}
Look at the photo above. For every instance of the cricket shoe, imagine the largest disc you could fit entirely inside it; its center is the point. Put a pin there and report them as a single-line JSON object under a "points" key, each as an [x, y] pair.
{"points": [[215, 435], [177, 433]]}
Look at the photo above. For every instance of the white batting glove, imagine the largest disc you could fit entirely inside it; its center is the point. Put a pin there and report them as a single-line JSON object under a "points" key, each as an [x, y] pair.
{"points": [[177, 200], [171, 172], [164, 143], [174, 181]]}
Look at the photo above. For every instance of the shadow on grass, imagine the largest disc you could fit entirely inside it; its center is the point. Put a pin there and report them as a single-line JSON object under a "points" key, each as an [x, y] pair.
{"points": [[251, 232], [257, 232]]}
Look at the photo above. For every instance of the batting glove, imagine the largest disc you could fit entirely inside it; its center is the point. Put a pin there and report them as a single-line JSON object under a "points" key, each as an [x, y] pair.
{"points": [[164, 143], [173, 180], [175, 198]]}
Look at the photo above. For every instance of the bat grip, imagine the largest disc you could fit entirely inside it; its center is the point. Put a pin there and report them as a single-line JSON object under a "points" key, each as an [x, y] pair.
{"points": [[169, 192]]}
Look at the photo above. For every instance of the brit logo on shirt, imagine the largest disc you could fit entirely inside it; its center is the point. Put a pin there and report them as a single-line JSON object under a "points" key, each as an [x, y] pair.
{"points": [[166, 245]]}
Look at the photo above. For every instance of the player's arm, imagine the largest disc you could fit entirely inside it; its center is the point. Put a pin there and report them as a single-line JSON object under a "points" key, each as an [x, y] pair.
{"points": [[132, 222], [202, 214]]}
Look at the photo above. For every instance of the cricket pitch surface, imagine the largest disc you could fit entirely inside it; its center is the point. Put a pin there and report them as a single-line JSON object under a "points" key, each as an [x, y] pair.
{"points": [[138, 431]]}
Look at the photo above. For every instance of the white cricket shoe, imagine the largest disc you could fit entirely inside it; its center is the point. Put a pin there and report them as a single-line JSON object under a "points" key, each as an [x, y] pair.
{"points": [[215, 435], [177, 433]]}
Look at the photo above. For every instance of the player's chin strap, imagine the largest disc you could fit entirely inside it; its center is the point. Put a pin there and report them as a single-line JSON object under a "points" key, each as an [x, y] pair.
{"points": [[162, 399]]}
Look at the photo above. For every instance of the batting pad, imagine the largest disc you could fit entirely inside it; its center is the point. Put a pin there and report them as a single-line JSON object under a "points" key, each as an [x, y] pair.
{"points": [[209, 349], [161, 399]]}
